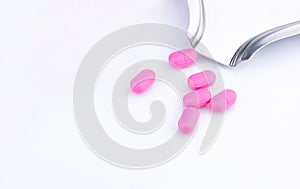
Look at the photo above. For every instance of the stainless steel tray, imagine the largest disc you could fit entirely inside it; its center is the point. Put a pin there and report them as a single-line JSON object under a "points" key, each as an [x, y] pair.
{"points": [[235, 30]]}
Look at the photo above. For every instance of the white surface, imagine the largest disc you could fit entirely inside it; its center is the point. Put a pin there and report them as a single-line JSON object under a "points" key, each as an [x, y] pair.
{"points": [[42, 44]]}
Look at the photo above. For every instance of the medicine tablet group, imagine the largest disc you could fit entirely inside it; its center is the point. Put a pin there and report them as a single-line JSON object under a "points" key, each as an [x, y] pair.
{"points": [[199, 83]]}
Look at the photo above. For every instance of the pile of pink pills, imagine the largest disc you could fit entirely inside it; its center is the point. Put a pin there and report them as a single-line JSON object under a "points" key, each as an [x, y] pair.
{"points": [[199, 83]]}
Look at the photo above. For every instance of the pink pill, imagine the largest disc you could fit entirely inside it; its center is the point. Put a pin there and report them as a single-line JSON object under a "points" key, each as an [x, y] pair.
{"points": [[198, 98], [142, 81], [223, 101], [188, 120], [183, 58], [201, 80]]}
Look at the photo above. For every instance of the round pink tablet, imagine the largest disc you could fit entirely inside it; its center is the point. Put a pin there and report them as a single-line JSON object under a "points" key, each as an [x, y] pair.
{"points": [[142, 81], [188, 120], [183, 58], [201, 80], [198, 98], [223, 101]]}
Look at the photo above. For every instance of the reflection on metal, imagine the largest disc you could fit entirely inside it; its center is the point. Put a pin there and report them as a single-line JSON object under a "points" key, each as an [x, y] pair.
{"points": [[197, 21]]}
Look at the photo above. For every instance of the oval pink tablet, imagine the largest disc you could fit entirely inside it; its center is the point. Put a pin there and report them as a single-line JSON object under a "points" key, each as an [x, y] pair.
{"points": [[223, 101], [188, 120], [201, 80], [198, 98], [142, 81], [183, 58]]}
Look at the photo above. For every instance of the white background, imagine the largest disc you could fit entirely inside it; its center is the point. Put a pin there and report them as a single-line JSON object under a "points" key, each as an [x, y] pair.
{"points": [[42, 43]]}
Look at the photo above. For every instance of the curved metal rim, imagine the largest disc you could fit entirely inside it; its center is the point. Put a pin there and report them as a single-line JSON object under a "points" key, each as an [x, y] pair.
{"points": [[252, 46], [196, 21]]}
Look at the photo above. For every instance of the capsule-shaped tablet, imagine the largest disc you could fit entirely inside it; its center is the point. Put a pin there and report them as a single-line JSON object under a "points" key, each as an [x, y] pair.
{"points": [[183, 58], [188, 120], [142, 81], [198, 98], [223, 101], [201, 80]]}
